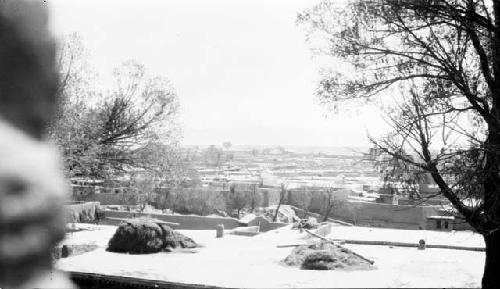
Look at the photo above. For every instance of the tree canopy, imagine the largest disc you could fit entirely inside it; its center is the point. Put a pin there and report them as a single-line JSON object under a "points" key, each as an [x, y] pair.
{"points": [[106, 131], [436, 66]]}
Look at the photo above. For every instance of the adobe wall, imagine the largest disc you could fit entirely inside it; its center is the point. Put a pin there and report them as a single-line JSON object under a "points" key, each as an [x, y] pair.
{"points": [[186, 222], [265, 225], [385, 214], [318, 198], [380, 214], [269, 197]]}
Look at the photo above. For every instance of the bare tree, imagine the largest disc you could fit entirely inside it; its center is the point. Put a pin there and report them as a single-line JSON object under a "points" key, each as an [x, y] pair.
{"points": [[442, 60], [213, 156], [303, 200], [283, 192], [399, 177], [331, 203]]}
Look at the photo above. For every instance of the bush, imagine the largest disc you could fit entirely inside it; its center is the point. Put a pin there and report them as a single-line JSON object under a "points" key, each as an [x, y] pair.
{"points": [[143, 236], [236, 200]]}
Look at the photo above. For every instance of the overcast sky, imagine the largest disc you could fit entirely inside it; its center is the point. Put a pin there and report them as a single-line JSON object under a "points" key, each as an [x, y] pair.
{"points": [[242, 69]]}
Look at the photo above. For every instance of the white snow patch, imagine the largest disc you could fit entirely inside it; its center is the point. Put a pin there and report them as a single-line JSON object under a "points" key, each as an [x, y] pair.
{"points": [[238, 261]]}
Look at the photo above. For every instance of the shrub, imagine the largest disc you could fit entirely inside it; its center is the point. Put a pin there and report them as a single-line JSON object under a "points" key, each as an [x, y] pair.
{"points": [[143, 236]]}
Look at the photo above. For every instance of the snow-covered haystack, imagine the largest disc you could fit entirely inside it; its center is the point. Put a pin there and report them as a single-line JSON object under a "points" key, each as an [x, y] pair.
{"points": [[143, 236], [325, 256]]}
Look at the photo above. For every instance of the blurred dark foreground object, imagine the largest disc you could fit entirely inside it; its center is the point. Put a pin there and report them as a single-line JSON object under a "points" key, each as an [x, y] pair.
{"points": [[32, 187]]}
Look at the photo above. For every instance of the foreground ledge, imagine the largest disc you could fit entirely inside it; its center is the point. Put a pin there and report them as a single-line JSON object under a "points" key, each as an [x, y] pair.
{"points": [[93, 280]]}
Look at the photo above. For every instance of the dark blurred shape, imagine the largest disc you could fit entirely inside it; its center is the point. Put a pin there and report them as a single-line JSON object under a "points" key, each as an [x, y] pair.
{"points": [[32, 187], [28, 74]]}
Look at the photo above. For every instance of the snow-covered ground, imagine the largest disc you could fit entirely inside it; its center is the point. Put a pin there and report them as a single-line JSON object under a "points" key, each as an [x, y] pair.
{"points": [[239, 261]]}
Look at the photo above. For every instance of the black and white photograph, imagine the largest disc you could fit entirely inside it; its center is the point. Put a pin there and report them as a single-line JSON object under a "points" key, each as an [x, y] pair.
{"points": [[221, 144]]}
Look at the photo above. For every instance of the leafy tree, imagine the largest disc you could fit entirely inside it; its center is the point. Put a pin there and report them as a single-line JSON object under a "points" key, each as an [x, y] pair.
{"points": [[436, 65], [105, 133], [227, 145], [143, 183], [213, 156], [167, 171], [237, 199]]}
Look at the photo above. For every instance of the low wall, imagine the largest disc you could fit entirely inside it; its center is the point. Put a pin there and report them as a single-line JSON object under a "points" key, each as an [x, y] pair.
{"points": [[382, 215], [385, 214], [268, 196], [103, 198], [315, 198], [264, 224], [186, 222]]}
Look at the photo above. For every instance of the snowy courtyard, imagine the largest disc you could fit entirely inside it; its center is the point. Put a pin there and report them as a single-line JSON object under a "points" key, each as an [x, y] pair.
{"points": [[240, 261]]}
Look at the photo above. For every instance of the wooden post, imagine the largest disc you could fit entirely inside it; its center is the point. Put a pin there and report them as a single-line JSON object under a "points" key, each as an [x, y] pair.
{"points": [[421, 244]]}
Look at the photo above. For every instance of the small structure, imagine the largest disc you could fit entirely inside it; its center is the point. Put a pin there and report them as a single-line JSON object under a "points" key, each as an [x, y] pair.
{"points": [[392, 199], [440, 222], [246, 231], [219, 231]]}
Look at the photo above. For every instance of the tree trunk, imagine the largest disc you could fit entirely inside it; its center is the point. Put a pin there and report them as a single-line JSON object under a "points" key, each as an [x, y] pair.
{"points": [[275, 217], [491, 275], [327, 213], [328, 208], [282, 197]]}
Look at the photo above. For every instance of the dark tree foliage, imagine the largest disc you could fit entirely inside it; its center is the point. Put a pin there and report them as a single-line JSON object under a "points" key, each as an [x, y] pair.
{"points": [[104, 132], [440, 62]]}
